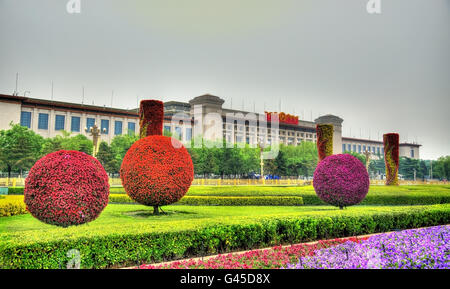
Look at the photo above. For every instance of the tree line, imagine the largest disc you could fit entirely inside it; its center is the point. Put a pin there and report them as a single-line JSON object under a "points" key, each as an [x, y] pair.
{"points": [[20, 148]]}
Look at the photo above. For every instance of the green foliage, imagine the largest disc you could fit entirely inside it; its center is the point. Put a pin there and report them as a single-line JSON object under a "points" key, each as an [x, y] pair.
{"points": [[20, 148], [64, 141], [106, 157], [224, 201], [360, 157], [441, 168], [119, 238]]}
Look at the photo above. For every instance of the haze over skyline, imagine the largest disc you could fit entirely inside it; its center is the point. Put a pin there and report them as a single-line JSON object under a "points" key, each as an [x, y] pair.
{"points": [[380, 73]]}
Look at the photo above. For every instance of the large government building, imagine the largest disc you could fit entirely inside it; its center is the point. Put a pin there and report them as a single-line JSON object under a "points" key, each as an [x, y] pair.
{"points": [[203, 115]]}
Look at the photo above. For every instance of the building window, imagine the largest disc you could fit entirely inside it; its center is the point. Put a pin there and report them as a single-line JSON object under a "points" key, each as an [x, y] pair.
{"points": [[364, 149], [105, 126], [412, 153], [359, 148], [349, 147], [378, 150], [43, 121], [75, 124], [131, 128], [354, 148], [25, 119], [60, 122], [373, 150], [167, 128], [178, 133], [343, 147], [189, 134], [118, 127], [90, 122]]}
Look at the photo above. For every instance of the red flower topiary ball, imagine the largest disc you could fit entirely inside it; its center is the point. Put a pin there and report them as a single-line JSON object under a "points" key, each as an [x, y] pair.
{"points": [[66, 188], [341, 180], [157, 171]]}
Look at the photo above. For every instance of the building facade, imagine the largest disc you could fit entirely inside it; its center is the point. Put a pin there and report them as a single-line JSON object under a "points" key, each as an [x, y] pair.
{"points": [[202, 116]]}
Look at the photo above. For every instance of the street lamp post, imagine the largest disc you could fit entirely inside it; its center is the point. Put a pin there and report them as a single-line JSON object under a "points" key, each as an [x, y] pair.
{"points": [[261, 145], [367, 154], [95, 133]]}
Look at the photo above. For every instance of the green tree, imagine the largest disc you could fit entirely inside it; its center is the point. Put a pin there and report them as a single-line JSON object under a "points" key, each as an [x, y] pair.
{"points": [[106, 157], [65, 141], [441, 168], [120, 144], [20, 148]]}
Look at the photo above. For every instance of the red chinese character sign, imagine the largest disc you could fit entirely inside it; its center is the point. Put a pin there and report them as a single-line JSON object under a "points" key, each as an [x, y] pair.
{"points": [[282, 117], [157, 170]]}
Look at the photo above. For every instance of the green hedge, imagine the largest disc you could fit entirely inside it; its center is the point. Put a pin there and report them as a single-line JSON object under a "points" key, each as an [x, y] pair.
{"points": [[241, 201], [378, 195], [115, 249], [16, 191], [223, 201]]}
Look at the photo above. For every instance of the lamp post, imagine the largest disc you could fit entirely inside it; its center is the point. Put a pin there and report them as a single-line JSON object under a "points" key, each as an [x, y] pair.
{"points": [[95, 133], [367, 154], [261, 146]]}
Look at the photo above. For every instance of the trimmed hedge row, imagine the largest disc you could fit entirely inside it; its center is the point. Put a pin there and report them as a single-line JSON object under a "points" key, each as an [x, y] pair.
{"points": [[223, 201], [12, 205], [116, 250], [407, 196], [15, 191]]}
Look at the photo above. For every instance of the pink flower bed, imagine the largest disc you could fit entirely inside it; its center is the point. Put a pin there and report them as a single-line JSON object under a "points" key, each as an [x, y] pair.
{"points": [[273, 258]]}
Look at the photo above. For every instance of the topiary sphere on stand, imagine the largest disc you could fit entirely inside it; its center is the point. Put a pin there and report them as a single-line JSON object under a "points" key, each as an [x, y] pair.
{"points": [[341, 180], [66, 188], [157, 171]]}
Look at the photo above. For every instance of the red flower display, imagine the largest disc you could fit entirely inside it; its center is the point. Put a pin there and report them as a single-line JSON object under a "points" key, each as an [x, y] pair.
{"points": [[157, 170], [66, 188], [341, 180], [151, 114]]}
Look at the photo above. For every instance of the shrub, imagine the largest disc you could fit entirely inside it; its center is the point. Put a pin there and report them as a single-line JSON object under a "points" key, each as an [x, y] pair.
{"points": [[157, 170], [391, 157], [324, 140], [241, 201], [12, 205], [113, 249], [341, 180], [15, 191], [66, 188]]}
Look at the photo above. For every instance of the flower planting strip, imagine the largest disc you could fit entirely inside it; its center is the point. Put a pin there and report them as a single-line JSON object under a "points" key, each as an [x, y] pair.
{"points": [[205, 258]]}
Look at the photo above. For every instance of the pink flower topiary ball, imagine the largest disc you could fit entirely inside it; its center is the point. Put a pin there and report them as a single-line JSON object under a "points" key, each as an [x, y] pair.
{"points": [[66, 188], [341, 180]]}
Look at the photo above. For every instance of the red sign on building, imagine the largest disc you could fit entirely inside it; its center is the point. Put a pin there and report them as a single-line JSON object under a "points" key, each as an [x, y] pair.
{"points": [[282, 117]]}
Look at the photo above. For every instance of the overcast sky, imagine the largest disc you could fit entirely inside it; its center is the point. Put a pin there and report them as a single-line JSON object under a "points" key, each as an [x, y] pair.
{"points": [[380, 73]]}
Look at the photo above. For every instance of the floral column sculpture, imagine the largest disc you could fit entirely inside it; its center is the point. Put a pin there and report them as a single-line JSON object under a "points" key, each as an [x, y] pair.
{"points": [[391, 157], [157, 170], [151, 116], [324, 140]]}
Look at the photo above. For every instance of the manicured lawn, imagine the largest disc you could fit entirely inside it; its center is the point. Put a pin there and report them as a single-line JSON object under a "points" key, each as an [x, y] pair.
{"points": [[129, 219]]}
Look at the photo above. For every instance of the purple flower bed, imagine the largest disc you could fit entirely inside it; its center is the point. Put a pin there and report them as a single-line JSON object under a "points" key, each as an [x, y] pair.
{"points": [[427, 248]]}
